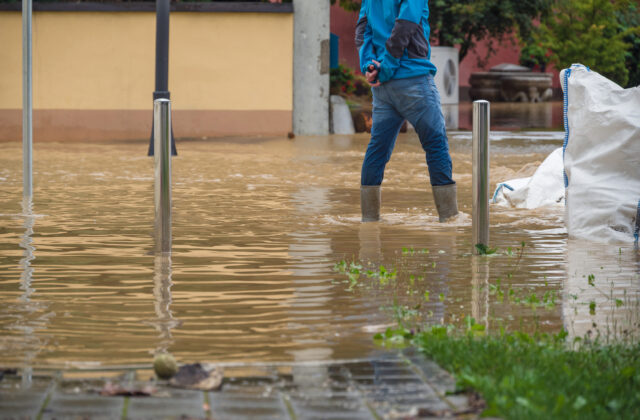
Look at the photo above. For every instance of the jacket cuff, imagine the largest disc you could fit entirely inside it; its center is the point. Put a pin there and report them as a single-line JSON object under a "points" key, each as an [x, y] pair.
{"points": [[366, 66]]}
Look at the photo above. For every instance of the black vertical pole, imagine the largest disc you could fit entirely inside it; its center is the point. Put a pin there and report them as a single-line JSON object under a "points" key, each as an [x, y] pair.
{"points": [[162, 63]]}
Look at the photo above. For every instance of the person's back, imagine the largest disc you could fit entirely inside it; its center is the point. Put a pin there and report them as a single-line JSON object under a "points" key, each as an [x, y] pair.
{"points": [[392, 39], [398, 38]]}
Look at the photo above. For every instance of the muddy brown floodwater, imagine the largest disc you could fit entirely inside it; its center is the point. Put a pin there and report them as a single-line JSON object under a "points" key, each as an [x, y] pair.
{"points": [[258, 226]]}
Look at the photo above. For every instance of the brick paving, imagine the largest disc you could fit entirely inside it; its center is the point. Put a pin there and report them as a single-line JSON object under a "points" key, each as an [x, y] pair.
{"points": [[392, 385]]}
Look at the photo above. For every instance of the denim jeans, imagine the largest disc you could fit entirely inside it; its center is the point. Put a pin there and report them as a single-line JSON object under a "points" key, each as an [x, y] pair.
{"points": [[418, 101]]}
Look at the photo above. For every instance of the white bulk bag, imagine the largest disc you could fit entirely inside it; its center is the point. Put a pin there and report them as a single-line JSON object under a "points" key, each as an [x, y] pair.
{"points": [[601, 157], [544, 188]]}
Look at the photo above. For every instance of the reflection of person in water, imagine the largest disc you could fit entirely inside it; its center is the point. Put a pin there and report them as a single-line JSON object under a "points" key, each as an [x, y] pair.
{"points": [[392, 38]]}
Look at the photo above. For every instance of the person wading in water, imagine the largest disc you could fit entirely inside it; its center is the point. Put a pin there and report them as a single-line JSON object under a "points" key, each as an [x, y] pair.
{"points": [[392, 39]]}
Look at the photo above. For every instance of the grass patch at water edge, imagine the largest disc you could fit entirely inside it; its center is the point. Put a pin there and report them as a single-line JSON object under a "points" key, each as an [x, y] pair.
{"points": [[540, 377]]}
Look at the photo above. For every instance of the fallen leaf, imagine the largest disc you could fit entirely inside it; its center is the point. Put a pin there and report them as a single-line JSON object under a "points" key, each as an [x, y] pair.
{"points": [[116, 390], [194, 376]]}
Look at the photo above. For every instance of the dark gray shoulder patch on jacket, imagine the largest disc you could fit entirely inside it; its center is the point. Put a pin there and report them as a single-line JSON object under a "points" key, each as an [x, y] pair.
{"points": [[361, 27], [407, 34], [418, 47]]}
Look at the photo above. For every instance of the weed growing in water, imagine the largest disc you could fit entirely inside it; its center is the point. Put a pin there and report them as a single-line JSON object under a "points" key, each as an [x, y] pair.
{"points": [[352, 270], [410, 288], [522, 376], [410, 251], [485, 250]]}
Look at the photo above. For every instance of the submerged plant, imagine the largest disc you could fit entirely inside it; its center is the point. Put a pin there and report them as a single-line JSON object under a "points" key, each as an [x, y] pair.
{"points": [[521, 375], [485, 250]]}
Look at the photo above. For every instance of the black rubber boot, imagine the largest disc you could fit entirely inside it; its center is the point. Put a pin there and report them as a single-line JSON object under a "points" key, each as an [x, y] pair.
{"points": [[446, 200], [370, 202]]}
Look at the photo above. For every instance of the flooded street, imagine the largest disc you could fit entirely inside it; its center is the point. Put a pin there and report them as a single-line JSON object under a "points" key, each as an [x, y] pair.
{"points": [[258, 226]]}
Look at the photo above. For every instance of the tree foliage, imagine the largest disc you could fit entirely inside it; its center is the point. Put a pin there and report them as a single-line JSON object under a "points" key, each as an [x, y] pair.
{"points": [[631, 19], [602, 34], [596, 33], [465, 22], [350, 5]]}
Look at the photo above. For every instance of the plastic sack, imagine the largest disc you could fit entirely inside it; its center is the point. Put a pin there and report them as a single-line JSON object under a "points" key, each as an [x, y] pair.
{"points": [[544, 188], [601, 157]]}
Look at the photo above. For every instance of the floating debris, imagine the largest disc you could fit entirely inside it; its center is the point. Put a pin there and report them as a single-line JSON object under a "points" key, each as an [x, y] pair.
{"points": [[194, 376], [115, 390]]}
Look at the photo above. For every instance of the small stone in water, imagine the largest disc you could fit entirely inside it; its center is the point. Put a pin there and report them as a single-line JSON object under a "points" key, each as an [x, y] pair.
{"points": [[165, 366]]}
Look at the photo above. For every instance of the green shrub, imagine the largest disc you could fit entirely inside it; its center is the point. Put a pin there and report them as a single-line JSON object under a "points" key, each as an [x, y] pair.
{"points": [[342, 80], [596, 33]]}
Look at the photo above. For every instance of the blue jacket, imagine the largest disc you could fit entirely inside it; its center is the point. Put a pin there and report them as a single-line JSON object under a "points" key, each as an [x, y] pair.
{"points": [[396, 34]]}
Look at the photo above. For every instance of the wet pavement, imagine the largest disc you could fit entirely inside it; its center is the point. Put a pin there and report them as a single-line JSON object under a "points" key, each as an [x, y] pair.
{"points": [[392, 385]]}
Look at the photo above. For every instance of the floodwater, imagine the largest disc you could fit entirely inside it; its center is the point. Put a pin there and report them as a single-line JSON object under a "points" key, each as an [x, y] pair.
{"points": [[512, 116], [258, 226]]}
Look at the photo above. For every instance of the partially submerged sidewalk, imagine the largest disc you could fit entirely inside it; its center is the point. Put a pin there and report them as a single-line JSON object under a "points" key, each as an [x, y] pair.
{"points": [[389, 385]]}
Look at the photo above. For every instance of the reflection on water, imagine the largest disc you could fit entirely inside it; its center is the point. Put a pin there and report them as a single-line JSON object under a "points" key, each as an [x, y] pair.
{"points": [[29, 315], [164, 321], [516, 116], [601, 299], [480, 303], [370, 244], [258, 227], [26, 277], [310, 249]]}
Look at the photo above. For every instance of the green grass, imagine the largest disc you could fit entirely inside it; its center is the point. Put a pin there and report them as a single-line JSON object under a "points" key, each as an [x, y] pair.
{"points": [[540, 377]]}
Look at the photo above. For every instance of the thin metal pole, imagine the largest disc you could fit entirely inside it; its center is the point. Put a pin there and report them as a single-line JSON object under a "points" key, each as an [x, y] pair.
{"points": [[162, 141], [481, 127], [27, 101], [162, 49], [162, 61]]}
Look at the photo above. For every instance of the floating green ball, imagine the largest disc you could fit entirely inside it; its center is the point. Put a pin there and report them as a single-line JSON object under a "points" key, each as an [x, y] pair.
{"points": [[165, 366]]}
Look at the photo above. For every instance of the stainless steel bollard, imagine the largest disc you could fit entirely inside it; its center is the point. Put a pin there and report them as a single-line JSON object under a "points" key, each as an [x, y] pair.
{"points": [[27, 101], [162, 157], [481, 127]]}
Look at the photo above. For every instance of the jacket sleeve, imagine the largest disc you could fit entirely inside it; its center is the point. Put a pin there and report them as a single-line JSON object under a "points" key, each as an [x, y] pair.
{"points": [[408, 22], [364, 41]]}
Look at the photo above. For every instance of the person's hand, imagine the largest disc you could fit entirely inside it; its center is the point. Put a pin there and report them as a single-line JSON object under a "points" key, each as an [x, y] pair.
{"points": [[372, 75]]}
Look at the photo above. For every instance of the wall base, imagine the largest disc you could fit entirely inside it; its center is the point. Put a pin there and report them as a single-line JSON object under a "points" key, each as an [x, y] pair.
{"points": [[101, 125]]}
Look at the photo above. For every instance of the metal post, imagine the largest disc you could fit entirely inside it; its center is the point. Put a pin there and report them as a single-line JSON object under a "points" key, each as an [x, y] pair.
{"points": [[481, 123], [27, 101], [162, 136], [162, 50], [162, 62]]}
